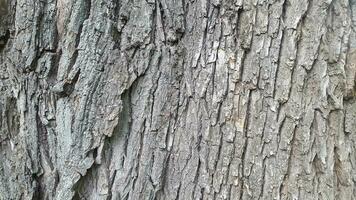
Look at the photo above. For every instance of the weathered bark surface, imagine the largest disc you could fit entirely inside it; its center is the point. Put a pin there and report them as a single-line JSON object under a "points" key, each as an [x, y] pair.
{"points": [[165, 99]]}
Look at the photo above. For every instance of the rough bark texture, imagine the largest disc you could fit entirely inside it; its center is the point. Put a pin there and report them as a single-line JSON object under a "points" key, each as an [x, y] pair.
{"points": [[170, 99]]}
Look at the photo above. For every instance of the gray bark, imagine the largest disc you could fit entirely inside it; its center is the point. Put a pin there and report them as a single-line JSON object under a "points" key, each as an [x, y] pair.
{"points": [[163, 99]]}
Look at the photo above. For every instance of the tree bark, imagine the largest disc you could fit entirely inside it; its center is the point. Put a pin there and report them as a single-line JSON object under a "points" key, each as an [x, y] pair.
{"points": [[163, 99]]}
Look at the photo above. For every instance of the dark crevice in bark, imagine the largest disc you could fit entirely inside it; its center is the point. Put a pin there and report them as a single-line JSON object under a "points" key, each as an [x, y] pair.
{"points": [[285, 6], [153, 91], [293, 69], [125, 121], [4, 39], [115, 31], [246, 138], [139, 156], [153, 32], [238, 22], [12, 117], [86, 8], [70, 85], [178, 191], [86, 181], [196, 179], [219, 151], [160, 191], [289, 168], [53, 70], [305, 14], [162, 15], [280, 127], [67, 87], [282, 30], [312, 126], [43, 138], [260, 196], [111, 183], [38, 190]]}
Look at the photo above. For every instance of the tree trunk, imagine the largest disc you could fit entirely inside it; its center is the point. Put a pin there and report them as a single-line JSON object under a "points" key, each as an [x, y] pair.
{"points": [[163, 99]]}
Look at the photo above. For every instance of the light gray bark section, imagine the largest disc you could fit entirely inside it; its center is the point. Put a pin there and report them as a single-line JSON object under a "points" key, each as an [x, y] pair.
{"points": [[163, 99]]}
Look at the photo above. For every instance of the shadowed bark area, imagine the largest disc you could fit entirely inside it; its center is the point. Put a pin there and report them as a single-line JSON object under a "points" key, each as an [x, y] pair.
{"points": [[169, 99]]}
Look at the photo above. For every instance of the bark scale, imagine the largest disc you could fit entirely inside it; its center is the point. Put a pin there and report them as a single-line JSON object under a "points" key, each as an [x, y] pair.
{"points": [[163, 99]]}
